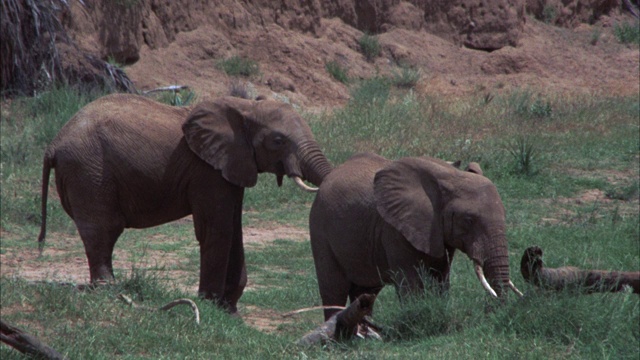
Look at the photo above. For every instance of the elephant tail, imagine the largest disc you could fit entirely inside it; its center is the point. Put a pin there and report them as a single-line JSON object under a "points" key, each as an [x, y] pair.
{"points": [[47, 164]]}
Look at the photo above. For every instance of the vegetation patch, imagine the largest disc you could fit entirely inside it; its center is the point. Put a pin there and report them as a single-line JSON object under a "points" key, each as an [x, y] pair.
{"points": [[369, 46], [579, 203], [239, 66], [627, 32], [337, 71]]}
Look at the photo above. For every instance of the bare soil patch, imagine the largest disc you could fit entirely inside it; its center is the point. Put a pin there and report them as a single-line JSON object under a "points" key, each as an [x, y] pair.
{"points": [[64, 260]]}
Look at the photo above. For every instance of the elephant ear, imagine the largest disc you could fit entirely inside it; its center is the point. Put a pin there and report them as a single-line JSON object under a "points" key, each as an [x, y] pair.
{"points": [[407, 199], [216, 132], [475, 168]]}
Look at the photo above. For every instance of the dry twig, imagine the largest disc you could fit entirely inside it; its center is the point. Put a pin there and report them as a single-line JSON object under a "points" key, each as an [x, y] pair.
{"points": [[168, 306]]}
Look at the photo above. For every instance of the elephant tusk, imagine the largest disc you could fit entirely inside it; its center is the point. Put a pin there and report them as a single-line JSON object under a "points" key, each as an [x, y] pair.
{"points": [[515, 289], [483, 281], [304, 186]]}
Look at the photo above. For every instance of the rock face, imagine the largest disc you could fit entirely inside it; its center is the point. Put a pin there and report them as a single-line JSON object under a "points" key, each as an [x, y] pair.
{"points": [[163, 42], [571, 13], [118, 29]]}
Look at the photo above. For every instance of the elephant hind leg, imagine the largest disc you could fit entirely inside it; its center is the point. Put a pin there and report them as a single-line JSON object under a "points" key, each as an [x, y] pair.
{"points": [[99, 241], [334, 288]]}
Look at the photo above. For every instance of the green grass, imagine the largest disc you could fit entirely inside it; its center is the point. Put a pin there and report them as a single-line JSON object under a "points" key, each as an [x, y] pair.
{"points": [[627, 32], [583, 145], [369, 46], [337, 71], [406, 77], [182, 97], [239, 66]]}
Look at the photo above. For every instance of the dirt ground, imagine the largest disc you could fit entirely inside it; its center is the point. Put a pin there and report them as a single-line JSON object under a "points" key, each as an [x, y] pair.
{"points": [[64, 262]]}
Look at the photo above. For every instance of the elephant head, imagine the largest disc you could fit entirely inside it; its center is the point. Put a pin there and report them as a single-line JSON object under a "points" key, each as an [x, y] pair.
{"points": [[436, 206], [226, 132]]}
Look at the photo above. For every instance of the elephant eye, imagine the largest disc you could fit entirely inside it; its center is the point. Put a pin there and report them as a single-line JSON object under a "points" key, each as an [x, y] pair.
{"points": [[467, 220], [278, 141]]}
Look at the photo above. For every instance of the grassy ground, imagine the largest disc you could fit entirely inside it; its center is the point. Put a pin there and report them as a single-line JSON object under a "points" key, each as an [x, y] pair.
{"points": [[566, 168]]}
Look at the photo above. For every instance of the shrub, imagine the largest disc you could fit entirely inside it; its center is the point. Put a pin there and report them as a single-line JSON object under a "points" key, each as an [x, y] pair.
{"points": [[549, 14], [374, 91], [369, 46], [407, 77], [540, 108], [337, 71], [239, 66], [524, 154], [242, 90], [627, 33], [181, 97]]}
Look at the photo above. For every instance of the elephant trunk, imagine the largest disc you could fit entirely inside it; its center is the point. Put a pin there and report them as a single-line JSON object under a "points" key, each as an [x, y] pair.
{"points": [[314, 164], [496, 270]]}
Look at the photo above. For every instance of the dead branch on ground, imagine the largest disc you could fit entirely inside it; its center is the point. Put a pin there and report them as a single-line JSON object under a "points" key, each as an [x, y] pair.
{"points": [[26, 343], [166, 307], [588, 281]]}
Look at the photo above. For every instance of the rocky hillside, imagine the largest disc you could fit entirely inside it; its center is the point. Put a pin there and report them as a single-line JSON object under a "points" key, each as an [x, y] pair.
{"points": [[459, 46]]}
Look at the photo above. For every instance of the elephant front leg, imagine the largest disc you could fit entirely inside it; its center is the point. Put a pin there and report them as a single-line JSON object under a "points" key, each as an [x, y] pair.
{"points": [[222, 267]]}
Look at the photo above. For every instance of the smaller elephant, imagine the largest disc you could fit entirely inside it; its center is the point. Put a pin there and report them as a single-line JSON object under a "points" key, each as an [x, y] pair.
{"points": [[589, 281], [375, 222]]}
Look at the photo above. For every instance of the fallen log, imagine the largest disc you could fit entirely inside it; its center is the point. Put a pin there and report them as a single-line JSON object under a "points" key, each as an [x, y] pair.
{"points": [[344, 324], [588, 281], [26, 343]]}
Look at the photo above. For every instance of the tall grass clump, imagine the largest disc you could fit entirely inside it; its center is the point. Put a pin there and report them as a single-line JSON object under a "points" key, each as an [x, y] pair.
{"points": [[239, 66], [182, 97], [627, 33], [524, 105], [407, 77], [369, 46], [337, 71], [525, 154]]}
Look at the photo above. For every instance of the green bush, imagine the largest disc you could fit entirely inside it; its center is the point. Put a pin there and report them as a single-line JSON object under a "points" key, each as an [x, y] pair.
{"points": [[183, 97], [369, 46], [373, 91], [406, 78], [239, 66], [627, 33], [524, 153], [337, 71]]}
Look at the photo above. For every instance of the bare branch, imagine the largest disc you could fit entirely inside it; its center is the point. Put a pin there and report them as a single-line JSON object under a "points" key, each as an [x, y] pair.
{"points": [[26, 343], [299, 311], [166, 88], [168, 306]]}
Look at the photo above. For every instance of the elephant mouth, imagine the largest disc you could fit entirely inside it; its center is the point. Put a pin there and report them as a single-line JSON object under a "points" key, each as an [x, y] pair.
{"points": [[281, 172]]}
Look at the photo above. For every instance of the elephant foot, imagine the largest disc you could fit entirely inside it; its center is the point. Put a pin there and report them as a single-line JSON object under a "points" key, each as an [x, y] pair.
{"points": [[222, 303]]}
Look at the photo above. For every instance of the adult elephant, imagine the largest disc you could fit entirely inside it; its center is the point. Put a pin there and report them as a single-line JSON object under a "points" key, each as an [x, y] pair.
{"points": [[125, 161], [376, 221]]}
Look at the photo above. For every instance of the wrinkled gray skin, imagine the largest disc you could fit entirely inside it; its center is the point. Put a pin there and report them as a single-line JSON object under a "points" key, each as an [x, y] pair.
{"points": [[376, 221], [125, 161]]}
